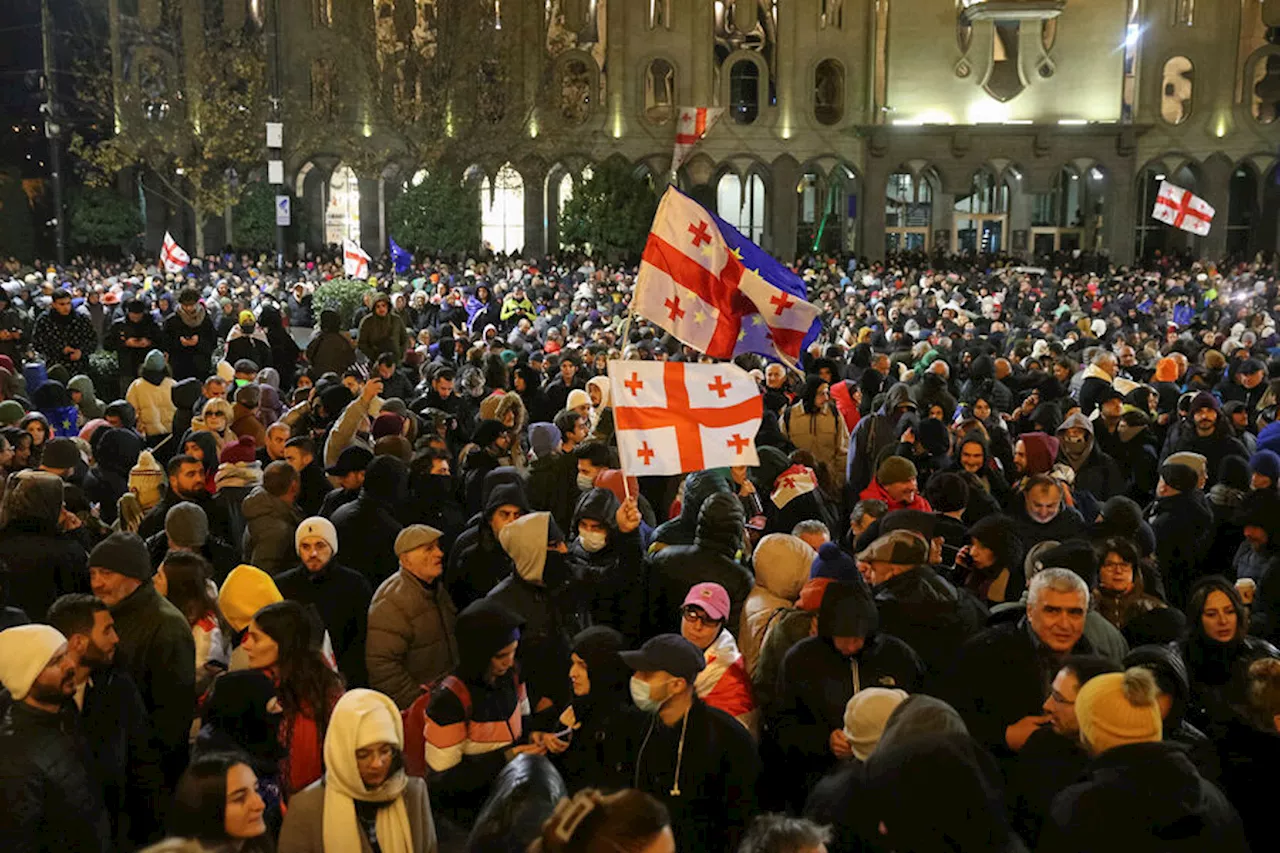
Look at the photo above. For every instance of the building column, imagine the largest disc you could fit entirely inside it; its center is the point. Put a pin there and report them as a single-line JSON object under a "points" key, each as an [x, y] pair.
{"points": [[871, 207], [535, 206], [783, 212], [1215, 188], [1120, 214], [371, 215]]}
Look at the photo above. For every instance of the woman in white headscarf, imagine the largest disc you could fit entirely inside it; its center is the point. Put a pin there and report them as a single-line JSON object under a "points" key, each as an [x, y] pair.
{"points": [[601, 413], [365, 801]]}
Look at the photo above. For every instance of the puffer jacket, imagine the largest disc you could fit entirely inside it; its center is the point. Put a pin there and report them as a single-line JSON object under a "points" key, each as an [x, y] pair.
{"points": [[822, 433], [613, 577], [712, 557], [51, 801], [268, 533], [382, 334], [782, 565], [410, 641], [682, 530], [154, 403]]}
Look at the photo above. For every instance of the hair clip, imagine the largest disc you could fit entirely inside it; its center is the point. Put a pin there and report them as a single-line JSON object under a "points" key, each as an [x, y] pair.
{"points": [[571, 815]]}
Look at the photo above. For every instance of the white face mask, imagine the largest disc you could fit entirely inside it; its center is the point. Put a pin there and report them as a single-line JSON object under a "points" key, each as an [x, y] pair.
{"points": [[642, 695], [586, 482], [593, 540]]}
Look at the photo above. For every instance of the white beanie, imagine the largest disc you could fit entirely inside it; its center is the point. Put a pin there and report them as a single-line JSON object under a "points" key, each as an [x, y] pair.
{"points": [[866, 715], [316, 526], [24, 652]]}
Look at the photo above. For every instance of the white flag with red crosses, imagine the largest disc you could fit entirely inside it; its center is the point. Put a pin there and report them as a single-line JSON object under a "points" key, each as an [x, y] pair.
{"points": [[672, 417], [693, 124], [1182, 209], [172, 255], [792, 483], [355, 261]]}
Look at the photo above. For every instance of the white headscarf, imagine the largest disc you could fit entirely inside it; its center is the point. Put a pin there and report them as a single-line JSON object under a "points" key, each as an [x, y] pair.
{"points": [[363, 718]]}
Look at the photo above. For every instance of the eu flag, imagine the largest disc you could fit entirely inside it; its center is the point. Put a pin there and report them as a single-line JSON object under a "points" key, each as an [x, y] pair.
{"points": [[755, 258], [399, 257]]}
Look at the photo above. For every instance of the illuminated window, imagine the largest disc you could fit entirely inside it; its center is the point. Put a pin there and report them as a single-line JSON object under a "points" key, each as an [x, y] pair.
{"points": [[831, 14], [1176, 90], [322, 13], [659, 91], [502, 211], [741, 204], [744, 91], [565, 191], [1184, 13], [342, 214], [659, 14], [828, 92]]}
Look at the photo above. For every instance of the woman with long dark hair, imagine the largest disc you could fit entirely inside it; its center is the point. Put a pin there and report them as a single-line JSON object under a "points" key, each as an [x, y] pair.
{"points": [[284, 642], [217, 803], [183, 578], [1218, 651]]}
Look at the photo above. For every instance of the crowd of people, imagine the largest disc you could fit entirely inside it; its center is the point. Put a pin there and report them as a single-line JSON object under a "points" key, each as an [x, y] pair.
{"points": [[1005, 576]]}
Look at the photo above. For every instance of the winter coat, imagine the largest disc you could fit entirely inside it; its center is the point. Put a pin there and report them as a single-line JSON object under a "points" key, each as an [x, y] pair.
{"points": [[930, 615], [367, 527], [411, 642], [682, 530], [243, 422], [270, 523], [1214, 448], [90, 406], [341, 596], [194, 361], [872, 437], [42, 563], [822, 433], [1067, 524], [157, 650], [154, 404], [1119, 608], [717, 778], [1219, 675], [782, 565], [553, 486], [383, 334], [52, 332], [330, 351], [1143, 797], [131, 358], [252, 346], [1096, 380], [999, 677], [612, 578], [52, 801], [303, 829], [674, 570], [1249, 758], [1183, 527]]}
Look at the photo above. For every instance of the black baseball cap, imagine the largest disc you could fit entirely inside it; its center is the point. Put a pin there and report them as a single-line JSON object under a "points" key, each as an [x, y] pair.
{"points": [[667, 653], [350, 459]]}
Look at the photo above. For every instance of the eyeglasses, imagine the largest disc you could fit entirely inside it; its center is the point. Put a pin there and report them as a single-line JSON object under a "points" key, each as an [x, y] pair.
{"points": [[694, 614], [1117, 564], [1060, 699]]}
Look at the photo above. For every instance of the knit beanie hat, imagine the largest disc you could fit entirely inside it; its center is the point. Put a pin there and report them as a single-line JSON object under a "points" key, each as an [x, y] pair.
{"points": [[186, 525], [832, 562], [1119, 708], [123, 553], [932, 433], [387, 423], [487, 432], [145, 479], [577, 397], [60, 453], [1266, 463], [1166, 370], [1204, 400], [244, 450], [225, 371], [154, 361], [316, 527], [866, 715], [25, 650], [1180, 477], [246, 590], [11, 412], [895, 469]]}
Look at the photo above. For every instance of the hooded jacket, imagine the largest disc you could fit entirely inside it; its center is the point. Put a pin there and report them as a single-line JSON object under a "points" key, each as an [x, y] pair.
{"points": [[383, 334], [926, 612], [190, 360], [782, 565], [108, 479], [821, 431], [1042, 451], [184, 395], [1183, 529], [477, 562], [43, 563], [712, 557], [1096, 472], [329, 350], [367, 527], [612, 577], [89, 405], [873, 436], [682, 530], [268, 535]]}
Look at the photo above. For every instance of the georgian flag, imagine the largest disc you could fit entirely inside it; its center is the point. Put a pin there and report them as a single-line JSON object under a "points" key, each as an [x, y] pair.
{"points": [[671, 417], [355, 262], [172, 255], [692, 125], [1182, 209], [791, 484]]}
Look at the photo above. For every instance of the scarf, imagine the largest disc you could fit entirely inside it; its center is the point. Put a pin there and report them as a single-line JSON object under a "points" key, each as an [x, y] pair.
{"points": [[362, 718], [192, 316], [1076, 454]]}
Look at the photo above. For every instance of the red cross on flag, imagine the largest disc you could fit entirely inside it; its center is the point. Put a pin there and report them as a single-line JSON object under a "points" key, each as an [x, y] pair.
{"points": [[791, 484], [1182, 209], [172, 255], [672, 417], [355, 263], [693, 124]]}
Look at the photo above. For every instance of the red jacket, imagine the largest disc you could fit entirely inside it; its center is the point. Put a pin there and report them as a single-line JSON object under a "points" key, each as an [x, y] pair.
{"points": [[876, 492]]}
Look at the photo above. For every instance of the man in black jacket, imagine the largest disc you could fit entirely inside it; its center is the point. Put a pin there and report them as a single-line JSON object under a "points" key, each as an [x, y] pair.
{"points": [[1205, 431], [132, 337], [820, 674], [113, 719], [1183, 526], [697, 761], [190, 336], [51, 799]]}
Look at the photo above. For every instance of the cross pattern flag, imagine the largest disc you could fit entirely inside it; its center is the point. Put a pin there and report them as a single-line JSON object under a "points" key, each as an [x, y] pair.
{"points": [[355, 262], [791, 484], [718, 292], [693, 124], [671, 417], [1182, 209], [172, 255]]}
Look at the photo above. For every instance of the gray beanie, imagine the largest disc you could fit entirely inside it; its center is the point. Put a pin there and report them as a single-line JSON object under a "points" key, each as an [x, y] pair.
{"points": [[186, 525], [123, 553]]}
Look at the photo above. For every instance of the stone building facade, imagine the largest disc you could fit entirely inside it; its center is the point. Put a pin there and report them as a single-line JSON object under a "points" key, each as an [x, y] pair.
{"points": [[851, 125]]}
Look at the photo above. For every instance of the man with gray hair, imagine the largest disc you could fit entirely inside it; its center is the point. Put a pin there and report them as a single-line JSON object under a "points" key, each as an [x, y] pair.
{"points": [[814, 533], [1098, 376], [1002, 676]]}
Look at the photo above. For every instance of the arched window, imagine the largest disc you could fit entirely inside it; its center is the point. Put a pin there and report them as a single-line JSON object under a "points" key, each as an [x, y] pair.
{"points": [[828, 92], [741, 204], [908, 212], [1242, 210], [502, 211], [987, 194], [565, 191], [1176, 90], [342, 214], [659, 91], [744, 91], [659, 14], [322, 13], [575, 90], [831, 14]]}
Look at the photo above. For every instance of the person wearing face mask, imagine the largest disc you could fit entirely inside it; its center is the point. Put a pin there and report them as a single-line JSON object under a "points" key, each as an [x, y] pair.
{"points": [[365, 801], [695, 759], [543, 592], [491, 442], [607, 554], [1096, 472]]}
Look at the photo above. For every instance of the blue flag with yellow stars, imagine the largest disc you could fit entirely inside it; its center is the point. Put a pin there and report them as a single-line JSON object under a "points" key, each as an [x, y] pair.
{"points": [[63, 421], [399, 257]]}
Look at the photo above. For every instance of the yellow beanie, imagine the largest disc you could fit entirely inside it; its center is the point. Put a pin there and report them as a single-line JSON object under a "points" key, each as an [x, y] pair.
{"points": [[1119, 708], [246, 318], [246, 590]]}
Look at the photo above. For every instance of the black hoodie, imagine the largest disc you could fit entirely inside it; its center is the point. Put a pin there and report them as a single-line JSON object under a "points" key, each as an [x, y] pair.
{"points": [[367, 527]]}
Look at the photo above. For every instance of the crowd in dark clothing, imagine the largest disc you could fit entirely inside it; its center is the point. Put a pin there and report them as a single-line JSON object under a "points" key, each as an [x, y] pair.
{"points": [[1010, 550]]}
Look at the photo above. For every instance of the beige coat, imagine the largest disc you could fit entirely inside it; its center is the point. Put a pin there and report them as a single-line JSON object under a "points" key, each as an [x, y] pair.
{"points": [[303, 829], [823, 434], [782, 565]]}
